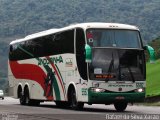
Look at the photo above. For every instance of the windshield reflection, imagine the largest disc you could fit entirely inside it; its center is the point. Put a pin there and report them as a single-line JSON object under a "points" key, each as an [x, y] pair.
{"points": [[113, 38]]}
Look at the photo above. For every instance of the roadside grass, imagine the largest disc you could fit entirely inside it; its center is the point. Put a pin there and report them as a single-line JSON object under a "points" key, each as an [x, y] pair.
{"points": [[153, 79]]}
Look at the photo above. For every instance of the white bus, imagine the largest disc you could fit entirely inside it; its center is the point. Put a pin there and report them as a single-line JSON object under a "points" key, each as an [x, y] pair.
{"points": [[93, 63]]}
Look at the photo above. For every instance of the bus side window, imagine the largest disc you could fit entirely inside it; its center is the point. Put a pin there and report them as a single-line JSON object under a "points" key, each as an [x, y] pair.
{"points": [[38, 47], [11, 52], [80, 50], [12, 55], [67, 41], [11, 49]]}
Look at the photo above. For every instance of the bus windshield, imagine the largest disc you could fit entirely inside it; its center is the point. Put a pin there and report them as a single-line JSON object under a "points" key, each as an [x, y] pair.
{"points": [[113, 38]]}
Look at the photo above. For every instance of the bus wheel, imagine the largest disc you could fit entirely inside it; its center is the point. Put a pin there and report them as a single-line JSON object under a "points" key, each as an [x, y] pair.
{"points": [[22, 99], [27, 98], [120, 106], [61, 104], [73, 101], [34, 102], [29, 101]]}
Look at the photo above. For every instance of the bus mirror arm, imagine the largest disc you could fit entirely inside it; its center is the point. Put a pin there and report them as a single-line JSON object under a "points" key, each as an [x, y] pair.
{"points": [[145, 47]]}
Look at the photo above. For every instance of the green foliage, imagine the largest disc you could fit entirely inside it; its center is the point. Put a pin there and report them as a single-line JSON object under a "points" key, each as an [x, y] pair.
{"points": [[3, 65], [156, 45], [153, 82], [3, 59], [19, 18]]}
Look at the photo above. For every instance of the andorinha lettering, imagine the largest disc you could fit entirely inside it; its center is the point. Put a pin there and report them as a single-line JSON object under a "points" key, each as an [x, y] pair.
{"points": [[55, 60]]}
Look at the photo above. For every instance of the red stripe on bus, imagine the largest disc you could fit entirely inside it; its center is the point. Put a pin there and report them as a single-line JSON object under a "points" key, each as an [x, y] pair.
{"points": [[30, 72]]}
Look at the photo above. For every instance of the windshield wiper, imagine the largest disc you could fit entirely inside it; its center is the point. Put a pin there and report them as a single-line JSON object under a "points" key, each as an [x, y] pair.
{"points": [[111, 65], [121, 76], [130, 71]]}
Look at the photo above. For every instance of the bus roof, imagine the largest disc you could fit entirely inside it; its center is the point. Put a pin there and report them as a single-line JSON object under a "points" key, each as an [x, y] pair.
{"points": [[79, 25]]}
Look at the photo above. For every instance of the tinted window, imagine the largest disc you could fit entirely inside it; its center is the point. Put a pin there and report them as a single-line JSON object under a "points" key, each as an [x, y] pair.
{"points": [[58, 43]]}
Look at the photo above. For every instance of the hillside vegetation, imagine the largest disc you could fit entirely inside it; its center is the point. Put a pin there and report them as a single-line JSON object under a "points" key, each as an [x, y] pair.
{"points": [[156, 45], [153, 79], [153, 71], [3, 57], [19, 18]]}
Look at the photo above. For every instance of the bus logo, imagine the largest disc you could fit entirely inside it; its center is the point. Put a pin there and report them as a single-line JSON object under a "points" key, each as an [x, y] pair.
{"points": [[69, 62], [55, 60]]}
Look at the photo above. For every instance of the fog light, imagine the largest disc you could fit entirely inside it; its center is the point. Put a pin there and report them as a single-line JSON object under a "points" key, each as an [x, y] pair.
{"points": [[139, 90]]}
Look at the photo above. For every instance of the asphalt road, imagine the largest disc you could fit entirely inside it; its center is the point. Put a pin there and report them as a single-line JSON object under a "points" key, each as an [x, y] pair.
{"points": [[10, 109]]}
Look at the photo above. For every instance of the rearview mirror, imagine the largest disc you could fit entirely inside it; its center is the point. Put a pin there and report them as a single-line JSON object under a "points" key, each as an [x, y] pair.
{"points": [[151, 52], [88, 51]]}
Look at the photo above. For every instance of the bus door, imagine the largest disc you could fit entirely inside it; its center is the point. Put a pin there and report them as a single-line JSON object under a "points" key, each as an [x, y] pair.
{"points": [[81, 65]]}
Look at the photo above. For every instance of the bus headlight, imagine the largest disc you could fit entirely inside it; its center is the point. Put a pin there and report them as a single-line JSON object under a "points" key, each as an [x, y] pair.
{"points": [[139, 90], [97, 90]]}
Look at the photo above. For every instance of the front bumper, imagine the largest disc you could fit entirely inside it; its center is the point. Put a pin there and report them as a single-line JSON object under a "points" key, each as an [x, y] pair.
{"points": [[111, 97]]}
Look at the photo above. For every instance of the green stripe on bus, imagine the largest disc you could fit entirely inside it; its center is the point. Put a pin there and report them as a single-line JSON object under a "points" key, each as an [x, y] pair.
{"points": [[61, 78], [56, 89], [54, 81]]}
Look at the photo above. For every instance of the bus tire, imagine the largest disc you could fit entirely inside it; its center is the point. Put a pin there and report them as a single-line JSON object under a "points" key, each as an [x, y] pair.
{"points": [[74, 104], [120, 106], [22, 99], [27, 97], [29, 101], [61, 104], [35, 102]]}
